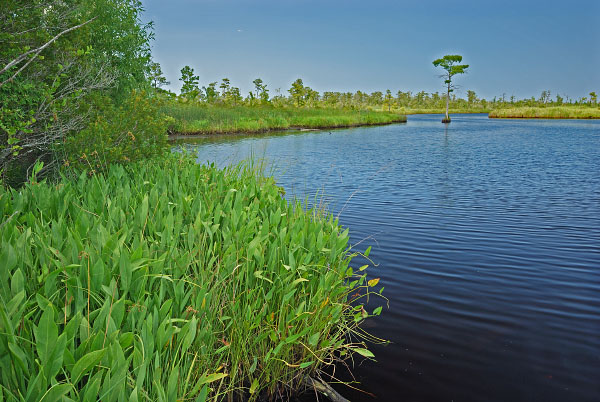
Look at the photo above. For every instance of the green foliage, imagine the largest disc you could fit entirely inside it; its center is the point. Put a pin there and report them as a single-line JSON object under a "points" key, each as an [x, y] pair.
{"points": [[156, 77], [131, 131], [190, 89], [449, 63], [261, 90], [55, 57], [169, 281], [297, 92]]}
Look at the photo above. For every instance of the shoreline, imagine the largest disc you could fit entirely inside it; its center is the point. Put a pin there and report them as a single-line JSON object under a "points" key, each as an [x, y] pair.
{"points": [[544, 117], [550, 112], [181, 134]]}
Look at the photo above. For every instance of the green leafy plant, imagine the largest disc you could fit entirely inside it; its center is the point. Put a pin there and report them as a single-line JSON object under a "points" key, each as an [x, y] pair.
{"points": [[171, 281], [130, 132]]}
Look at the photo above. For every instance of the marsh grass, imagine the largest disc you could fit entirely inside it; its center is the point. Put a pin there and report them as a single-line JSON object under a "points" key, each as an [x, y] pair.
{"points": [[171, 281], [552, 112], [203, 119]]}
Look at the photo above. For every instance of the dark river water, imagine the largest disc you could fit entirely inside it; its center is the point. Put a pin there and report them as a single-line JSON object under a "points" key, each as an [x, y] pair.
{"points": [[487, 238]]}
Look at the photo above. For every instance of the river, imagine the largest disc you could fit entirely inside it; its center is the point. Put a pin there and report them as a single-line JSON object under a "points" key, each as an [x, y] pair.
{"points": [[486, 236]]}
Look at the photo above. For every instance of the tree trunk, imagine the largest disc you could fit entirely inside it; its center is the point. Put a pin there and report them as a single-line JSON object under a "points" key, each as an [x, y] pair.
{"points": [[447, 118]]}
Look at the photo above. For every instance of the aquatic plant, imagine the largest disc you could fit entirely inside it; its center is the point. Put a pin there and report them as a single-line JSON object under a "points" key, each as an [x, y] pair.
{"points": [[169, 281]]}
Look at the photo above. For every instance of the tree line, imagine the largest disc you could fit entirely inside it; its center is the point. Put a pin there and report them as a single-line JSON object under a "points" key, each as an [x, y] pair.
{"points": [[301, 95]]}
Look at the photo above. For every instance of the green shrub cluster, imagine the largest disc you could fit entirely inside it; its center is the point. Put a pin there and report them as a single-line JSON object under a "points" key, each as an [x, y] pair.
{"points": [[169, 281], [130, 132]]}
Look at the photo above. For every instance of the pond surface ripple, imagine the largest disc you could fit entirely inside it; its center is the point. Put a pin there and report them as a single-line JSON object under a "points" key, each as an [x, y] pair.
{"points": [[487, 238]]}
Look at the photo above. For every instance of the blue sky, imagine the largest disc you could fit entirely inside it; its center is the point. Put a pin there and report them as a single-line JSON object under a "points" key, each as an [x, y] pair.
{"points": [[514, 47]]}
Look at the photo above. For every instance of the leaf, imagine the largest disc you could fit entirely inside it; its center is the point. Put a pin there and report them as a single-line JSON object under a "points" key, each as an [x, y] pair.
{"points": [[19, 356], [17, 282], [314, 339], [46, 335], [92, 388], [253, 366], [373, 282], [172, 384], [84, 364], [254, 386], [56, 392], [190, 335], [134, 395], [367, 251], [363, 352], [377, 311], [306, 364], [56, 360], [258, 274], [203, 394], [212, 378], [297, 281]]}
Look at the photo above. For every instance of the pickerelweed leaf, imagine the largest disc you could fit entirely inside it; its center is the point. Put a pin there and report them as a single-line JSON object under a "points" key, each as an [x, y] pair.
{"points": [[85, 364]]}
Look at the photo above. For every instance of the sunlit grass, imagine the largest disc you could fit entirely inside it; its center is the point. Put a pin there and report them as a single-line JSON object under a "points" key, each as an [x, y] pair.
{"points": [[553, 112], [202, 119]]}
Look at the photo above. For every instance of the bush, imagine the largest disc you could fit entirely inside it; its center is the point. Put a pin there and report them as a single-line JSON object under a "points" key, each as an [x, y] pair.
{"points": [[133, 131]]}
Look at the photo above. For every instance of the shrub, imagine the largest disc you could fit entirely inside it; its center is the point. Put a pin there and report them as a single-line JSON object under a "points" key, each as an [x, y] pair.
{"points": [[133, 131]]}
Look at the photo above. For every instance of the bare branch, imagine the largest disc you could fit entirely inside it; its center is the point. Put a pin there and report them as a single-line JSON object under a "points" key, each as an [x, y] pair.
{"points": [[36, 52]]}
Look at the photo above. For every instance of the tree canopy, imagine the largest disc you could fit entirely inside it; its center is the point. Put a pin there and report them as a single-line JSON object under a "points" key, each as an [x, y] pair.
{"points": [[58, 60]]}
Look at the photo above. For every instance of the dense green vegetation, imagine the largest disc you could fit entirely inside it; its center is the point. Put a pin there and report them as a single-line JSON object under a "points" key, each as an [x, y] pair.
{"points": [[551, 112], [192, 118], [170, 281], [64, 65]]}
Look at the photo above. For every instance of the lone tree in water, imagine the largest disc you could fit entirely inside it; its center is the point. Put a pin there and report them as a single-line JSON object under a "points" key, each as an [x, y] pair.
{"points": [[450, 64]]}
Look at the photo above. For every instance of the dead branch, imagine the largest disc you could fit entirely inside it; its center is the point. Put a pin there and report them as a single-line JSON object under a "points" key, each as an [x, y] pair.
{"points": [[36, 52]]}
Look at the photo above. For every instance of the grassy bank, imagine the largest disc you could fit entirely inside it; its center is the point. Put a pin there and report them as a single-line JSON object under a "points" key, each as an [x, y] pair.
{"points": [[195, 119], [169, 281], [553, 112]]}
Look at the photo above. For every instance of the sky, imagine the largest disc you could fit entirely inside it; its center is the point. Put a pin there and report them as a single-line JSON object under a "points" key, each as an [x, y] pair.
{"points": [[514, 47]]}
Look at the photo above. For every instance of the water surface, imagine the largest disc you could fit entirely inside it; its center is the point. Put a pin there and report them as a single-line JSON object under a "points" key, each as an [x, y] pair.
{"points": [[487, 238]]}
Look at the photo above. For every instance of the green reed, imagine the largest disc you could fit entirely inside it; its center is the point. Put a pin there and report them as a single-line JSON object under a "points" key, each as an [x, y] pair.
{"points": [[551, 112], [170, 281], [206, 119]]}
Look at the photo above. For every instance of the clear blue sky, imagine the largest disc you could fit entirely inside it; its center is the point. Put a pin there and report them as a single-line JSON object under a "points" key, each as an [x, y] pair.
{"points": [[517, 47]]}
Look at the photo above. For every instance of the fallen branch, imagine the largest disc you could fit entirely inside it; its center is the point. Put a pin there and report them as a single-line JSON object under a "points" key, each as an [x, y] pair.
{"points": [[325, 389]]}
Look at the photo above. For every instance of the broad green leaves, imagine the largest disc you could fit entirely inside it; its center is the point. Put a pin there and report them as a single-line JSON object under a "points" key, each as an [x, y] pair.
{"points": [[155, 280]]}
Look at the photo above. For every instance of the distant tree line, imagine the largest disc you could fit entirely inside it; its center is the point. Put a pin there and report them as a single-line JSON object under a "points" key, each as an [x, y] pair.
{"points": [[301, 95]]}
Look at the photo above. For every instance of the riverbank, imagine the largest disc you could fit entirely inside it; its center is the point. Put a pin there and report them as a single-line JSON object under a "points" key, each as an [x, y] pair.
{"points": [[170, 280], [194, 119], [553, 112]]}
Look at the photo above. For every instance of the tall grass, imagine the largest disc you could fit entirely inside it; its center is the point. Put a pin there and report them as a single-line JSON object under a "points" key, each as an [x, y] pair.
{"points": [[553, 112], [170, 281], [202, 119]]}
